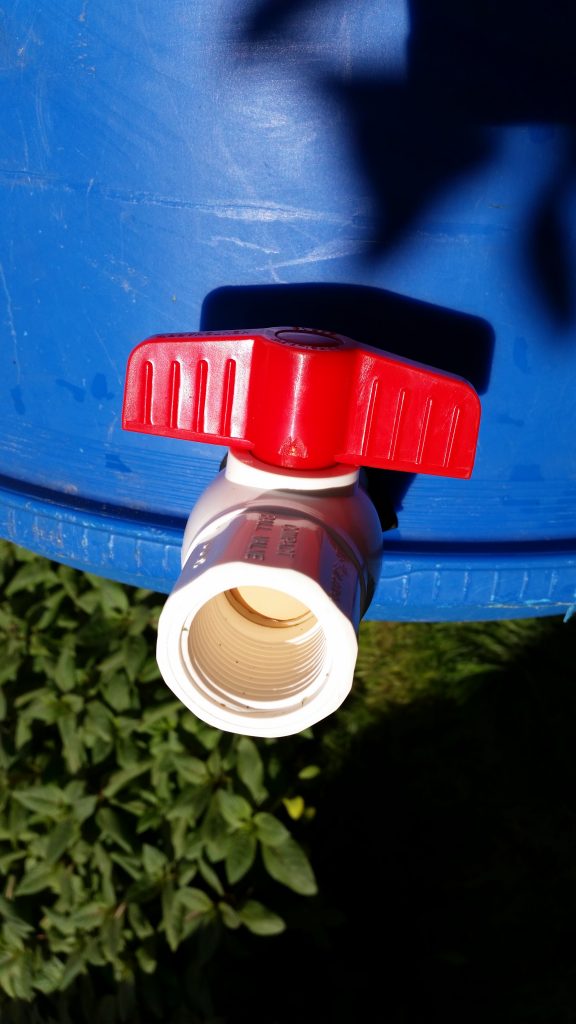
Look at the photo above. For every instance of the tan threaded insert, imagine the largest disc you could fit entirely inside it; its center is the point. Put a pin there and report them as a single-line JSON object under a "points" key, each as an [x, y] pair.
{"points": [[271, 608], [240, 655]]}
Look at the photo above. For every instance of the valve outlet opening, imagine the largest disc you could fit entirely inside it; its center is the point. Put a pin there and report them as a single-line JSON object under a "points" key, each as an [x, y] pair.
{"points": [[251, 649]]}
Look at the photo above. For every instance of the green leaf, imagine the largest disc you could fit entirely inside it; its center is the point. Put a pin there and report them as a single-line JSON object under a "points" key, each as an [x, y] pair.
{"points": [[60, 839], [214, 764], [199, 801], [229, 916], [139, 619], [89, 916], [88, 603], [121, 779], [146, 957], [101, 750], [9, 911], [165, 714], [116, 691], [127, 751], [85, 918], [136, 807], [74, 789], [269, 830], [99, 721], [154, 861], [234, 809], [16, 976], [150, 819], [309, 772], [69, 579], [133, 867], [38, 571], [15, 933], [135, 651], [194, 846], [241, 854], [73, 967], [103, 864], [84, 808], [111, 594], [288, 864], [6, 759], [215, 832], [195, 900], [9, 859], [50, 609], [65, 671], [251, 768], [43, 706], [210, 877], [72, 746], [46, 800], [207, 736], [35, 879], [191, 769], [139, 922], [48, 977], [259, 920], [111, 824], [178, 836], [111, 936], [113, 663], [81, 853], [23, 732], [149, 671], [182, 910], [67, 885], [186, 872], [9, 670]]}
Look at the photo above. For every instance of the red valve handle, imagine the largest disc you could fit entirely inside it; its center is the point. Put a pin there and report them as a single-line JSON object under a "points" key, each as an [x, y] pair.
{"points": [[302, 399]]}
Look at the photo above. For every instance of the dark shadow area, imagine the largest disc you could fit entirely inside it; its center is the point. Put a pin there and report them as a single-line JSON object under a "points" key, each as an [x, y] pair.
{"points": [[548, 245], [470, 66], [445, 338], [452, 341], [446, 857], [494, 548]]}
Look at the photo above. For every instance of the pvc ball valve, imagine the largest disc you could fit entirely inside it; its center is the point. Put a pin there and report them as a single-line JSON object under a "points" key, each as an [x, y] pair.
{"points": [[282, 553]]}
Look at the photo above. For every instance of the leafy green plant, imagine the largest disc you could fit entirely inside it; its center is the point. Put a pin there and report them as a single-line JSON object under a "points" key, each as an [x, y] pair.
{"points": [[126, 825], [143, 856]]}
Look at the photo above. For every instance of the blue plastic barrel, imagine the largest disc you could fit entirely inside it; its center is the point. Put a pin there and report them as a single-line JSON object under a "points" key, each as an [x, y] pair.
{"points": [[401, 172]]}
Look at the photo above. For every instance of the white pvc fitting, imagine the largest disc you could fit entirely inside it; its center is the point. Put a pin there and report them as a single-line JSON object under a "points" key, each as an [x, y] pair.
{"points": [[259, 635]]}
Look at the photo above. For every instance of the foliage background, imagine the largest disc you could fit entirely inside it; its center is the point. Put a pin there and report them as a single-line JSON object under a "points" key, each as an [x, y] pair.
{"points": [[417, 853]]}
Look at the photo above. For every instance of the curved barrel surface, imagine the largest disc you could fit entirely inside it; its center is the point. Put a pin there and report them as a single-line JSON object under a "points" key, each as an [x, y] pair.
{"points": [[402, 180]]}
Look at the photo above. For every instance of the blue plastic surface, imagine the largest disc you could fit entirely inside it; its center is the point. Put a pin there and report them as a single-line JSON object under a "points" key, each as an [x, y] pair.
{"points": [[186, 166]]}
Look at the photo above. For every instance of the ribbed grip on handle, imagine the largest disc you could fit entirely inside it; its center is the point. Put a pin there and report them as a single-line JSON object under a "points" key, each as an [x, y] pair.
{"points": [[303, 399]]}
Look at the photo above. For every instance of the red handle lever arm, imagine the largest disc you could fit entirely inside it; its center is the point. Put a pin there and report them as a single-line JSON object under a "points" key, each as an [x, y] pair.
{"points": [[303, 400]]}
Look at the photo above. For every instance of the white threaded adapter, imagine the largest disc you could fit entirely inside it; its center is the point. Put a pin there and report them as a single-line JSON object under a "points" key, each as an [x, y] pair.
{"points": [[259, 635]]}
